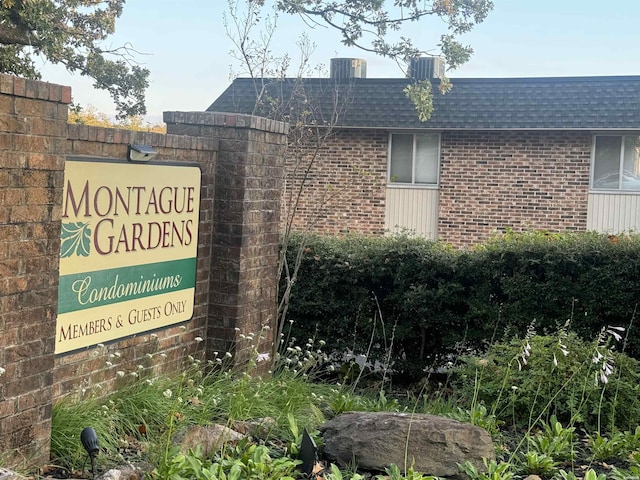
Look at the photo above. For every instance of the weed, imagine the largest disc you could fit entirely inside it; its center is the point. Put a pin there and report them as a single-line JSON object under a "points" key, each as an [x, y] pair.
{"points": [[538, 463], [605, 448], [554, 441], [494, 471]]}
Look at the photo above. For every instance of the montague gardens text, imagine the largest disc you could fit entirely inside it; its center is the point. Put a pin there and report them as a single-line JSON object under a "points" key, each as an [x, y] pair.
{"points": [[106, 202]]}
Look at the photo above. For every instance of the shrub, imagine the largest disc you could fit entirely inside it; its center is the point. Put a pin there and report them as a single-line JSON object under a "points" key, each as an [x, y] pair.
{"points": [[416, 303]]}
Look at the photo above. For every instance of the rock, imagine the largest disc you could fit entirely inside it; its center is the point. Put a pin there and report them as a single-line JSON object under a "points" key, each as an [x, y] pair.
{"points": [[209, 438], [6, 474], [374, 440], [125, 472], [259, 427]]}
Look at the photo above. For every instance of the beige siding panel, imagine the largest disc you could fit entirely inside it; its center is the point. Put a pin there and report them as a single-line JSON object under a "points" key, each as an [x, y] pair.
{"points": [[613, 213], [414, 209]]}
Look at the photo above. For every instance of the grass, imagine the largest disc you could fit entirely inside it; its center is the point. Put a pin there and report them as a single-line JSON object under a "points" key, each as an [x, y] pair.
{"points": [[582, 427]]}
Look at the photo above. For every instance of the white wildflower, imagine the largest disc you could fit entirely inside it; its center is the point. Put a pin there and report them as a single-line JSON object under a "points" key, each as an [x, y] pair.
{"points": [[613, 331], [120, 373], [198, 339], [100, 345], [109, 364], [263, 357], [228, 355], [597, 357], [167, 393], [117, 354]]}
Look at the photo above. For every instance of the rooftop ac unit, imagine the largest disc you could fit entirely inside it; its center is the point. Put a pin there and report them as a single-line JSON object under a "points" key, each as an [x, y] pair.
{"points": [[344, 68], [422, 68]]}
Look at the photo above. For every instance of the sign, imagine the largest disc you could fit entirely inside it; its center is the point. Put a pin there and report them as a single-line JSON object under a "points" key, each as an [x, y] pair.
{"points": [[128, 250]]}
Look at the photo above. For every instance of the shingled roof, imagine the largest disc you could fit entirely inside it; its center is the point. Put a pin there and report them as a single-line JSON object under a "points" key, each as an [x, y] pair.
{"points": [[562, 103]]}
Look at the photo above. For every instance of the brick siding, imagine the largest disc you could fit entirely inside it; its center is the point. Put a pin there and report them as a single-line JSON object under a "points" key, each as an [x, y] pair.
{"points": [[490, 182], [494, 181], [344, 179]]}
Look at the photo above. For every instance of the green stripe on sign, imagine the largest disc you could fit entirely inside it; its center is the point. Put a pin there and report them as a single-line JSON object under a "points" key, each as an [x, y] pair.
{"points": [[104, 287]]}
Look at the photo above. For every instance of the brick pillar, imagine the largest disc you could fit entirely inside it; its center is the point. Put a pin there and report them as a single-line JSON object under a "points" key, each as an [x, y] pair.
{"points": [[248, 184], [33, 122]]}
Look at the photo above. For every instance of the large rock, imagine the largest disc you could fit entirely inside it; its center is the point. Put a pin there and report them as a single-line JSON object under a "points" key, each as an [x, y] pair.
{"points": [[374, 440]]}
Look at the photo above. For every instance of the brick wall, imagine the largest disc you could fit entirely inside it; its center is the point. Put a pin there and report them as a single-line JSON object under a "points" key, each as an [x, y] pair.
{"points": [[104, 368], [33, 120], [344, 183], [242, 166], [494, 181]]}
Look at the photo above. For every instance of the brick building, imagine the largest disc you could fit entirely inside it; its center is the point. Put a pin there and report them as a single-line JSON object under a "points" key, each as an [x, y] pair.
{"points": [[554, 154]]}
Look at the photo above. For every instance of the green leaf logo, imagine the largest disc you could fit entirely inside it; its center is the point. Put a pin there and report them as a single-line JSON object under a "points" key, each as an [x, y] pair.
{"points": [[75, 239]]}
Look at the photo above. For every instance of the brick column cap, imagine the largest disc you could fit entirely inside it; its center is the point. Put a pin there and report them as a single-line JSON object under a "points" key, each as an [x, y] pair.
{"points": [[36, 89], [225, 119]]}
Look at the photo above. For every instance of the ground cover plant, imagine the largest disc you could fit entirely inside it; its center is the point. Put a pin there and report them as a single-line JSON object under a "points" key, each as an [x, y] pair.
{"points": [[584, 424]]}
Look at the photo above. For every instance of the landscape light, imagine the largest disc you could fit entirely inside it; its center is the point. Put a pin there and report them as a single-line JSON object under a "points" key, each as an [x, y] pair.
{"points": [[89, 439]]}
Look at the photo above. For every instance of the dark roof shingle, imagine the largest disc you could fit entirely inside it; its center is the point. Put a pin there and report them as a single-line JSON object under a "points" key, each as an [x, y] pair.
{"points": [[473, 103]]}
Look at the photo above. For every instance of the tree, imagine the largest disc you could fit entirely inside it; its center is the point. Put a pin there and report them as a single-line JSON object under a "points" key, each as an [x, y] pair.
{"points": [[69, 32], [366, 24], [92, 117]]}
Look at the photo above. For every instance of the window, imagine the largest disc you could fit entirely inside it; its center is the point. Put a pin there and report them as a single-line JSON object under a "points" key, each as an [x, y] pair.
{"points": [[616, 162], [414, 158]]}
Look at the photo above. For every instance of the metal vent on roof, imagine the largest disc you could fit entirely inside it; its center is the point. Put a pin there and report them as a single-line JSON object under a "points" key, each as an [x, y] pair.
{"points": [[422, 68], [343, 68]]}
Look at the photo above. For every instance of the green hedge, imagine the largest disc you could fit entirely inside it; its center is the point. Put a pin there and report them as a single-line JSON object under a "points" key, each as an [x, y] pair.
{"points": [[427, 300]]}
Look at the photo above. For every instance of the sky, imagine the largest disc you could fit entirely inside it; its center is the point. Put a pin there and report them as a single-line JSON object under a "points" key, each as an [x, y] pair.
{"points": [[186, 47]]}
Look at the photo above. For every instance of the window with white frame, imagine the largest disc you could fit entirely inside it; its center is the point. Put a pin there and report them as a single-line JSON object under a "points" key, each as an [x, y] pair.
{"points": [[616, 162], [414, 158]]}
